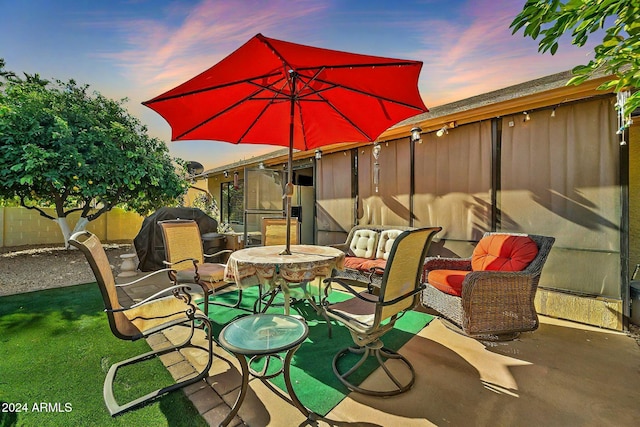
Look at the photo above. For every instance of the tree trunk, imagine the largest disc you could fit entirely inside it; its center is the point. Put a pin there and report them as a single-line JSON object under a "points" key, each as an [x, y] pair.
{"points": [[64, 228], [81, 225]]}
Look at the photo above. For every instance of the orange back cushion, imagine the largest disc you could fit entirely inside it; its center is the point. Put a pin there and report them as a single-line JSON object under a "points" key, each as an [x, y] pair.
{"points": [[502, 252]]}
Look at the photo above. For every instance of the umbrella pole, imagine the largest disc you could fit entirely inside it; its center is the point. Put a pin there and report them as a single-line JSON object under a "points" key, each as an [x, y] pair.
{"points": [[288, 192]]}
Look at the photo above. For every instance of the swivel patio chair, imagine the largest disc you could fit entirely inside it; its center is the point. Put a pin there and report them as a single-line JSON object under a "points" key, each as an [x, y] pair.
{"points": [[490, 295], [168, 308], [368, 317], [185, 256]]}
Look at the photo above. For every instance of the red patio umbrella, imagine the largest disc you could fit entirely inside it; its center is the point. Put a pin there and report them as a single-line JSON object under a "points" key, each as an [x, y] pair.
{"points": [[281, 93]]}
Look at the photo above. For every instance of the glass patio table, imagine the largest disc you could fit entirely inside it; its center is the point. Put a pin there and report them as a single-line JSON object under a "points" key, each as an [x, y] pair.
{"points": [[260, 337]]}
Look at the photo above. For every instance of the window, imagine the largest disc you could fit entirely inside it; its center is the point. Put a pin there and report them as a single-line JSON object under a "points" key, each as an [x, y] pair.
{"points": [[232, 210]]}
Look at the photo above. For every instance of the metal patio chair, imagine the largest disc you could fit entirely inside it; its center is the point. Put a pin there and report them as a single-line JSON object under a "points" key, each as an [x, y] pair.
{"points": [[185, 256], [368, 317], [168, 308]]}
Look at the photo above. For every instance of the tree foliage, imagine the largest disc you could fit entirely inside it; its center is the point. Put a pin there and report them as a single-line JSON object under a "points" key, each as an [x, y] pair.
{"points": [[66, 147], [619, 52]]}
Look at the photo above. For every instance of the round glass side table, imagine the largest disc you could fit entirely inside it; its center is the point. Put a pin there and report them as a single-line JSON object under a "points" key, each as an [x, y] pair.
{"points": [[264, 336]]}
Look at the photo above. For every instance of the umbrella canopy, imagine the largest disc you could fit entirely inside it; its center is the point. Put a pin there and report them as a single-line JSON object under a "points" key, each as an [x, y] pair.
{"points": [[281, 93]]}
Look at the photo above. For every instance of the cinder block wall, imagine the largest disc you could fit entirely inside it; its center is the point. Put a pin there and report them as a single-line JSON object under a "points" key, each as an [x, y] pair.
{"points": [[20, 226]]}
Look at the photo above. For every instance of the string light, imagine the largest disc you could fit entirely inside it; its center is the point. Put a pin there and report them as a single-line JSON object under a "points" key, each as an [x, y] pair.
{"points": [[443, 130]]}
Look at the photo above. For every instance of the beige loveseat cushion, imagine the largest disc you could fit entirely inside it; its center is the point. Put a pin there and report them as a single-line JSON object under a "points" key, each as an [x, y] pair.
{"points": [[385, 243], [364, 244]]}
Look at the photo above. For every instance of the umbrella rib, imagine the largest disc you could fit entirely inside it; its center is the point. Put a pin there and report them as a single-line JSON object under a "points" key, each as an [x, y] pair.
{"points": [[382, 98], [232, 106], [333, 85], [367, 65], [275, 51], [218, 114], [347, 119], [271, 102], [210, 88]]}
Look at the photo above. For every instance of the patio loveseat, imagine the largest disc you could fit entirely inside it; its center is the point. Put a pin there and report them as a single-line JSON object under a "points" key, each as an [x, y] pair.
{"points": [[367, 249]]}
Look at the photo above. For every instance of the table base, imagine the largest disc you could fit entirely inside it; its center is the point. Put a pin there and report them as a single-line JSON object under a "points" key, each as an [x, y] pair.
{"points": [[263, 376]]}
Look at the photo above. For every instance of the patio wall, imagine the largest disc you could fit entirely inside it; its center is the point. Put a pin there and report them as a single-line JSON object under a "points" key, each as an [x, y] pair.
{"points": [[555, 175], [20, 227]]}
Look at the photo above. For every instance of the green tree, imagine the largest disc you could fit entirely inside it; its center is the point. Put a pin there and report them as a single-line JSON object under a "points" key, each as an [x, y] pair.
{"points": [[619, 52], [63, 147]]}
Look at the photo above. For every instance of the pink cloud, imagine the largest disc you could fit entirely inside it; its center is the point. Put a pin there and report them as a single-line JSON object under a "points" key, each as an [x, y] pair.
{"points": [[477, 54], [160, 55]]}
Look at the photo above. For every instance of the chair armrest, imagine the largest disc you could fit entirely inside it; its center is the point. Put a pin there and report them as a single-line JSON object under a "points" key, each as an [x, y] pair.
{"points": [[175, 290], [225, 251], [402, 297], [479, 285], [437, 263], [192, 260], [344, 285], [376, 270], [164, 270], [342, 246], [498, 302]]}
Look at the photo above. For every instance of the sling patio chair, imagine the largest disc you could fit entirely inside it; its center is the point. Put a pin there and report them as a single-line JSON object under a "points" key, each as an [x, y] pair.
{"points": [[368, 317], [168, 308], [274, 232], [185, 256]]}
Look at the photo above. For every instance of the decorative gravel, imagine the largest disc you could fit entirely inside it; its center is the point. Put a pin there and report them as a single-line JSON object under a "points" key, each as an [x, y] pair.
{"points": [[32, 268]]}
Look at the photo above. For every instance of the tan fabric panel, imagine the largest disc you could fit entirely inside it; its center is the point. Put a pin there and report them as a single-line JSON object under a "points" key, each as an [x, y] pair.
{"points": [[334, 202], [560, 178], [264, 189], [390, 205], [567, 190], [595, 273], [453, 181]]}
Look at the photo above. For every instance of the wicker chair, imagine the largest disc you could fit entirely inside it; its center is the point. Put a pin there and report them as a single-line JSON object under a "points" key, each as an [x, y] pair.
{"points": [[165, 309], [368, 317], [185, 256], [492, 305]]}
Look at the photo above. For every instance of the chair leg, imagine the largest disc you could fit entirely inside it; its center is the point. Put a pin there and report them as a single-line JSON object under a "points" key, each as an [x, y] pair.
{"points": [[221, 304], [109, 399], [382, 355]]}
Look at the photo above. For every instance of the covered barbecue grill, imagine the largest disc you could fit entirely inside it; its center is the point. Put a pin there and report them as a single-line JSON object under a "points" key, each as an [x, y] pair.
{"points": [[150, 246]]}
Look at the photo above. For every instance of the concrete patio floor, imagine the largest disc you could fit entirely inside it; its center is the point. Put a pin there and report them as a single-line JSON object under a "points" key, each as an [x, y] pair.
{"points": [[563, 374]]}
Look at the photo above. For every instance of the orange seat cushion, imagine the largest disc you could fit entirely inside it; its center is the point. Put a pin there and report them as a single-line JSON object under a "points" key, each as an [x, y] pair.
{"points": [[355, 263], [374, 263], [448, 281], [211, 275], [363, 264], [502, 252]]}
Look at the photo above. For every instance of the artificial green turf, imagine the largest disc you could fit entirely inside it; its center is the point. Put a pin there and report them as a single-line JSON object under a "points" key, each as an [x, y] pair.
{"points": [[55, 350], [311, 372]]}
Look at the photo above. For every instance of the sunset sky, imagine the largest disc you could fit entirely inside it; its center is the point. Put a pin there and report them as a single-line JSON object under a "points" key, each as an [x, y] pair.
{"points": [[141, 48]]}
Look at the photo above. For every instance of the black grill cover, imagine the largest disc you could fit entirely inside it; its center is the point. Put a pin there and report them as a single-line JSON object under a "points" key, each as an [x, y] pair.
{"points": [[149, 244]]}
